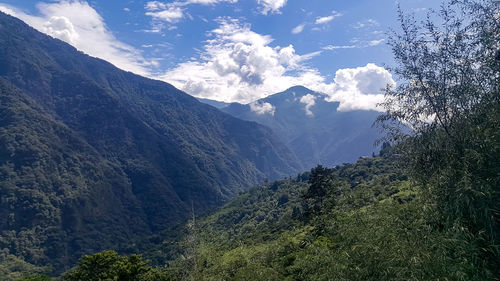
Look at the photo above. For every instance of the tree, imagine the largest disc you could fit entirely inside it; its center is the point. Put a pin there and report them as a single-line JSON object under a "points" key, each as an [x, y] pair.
{"points": [[448, 94], [319, 183], [109, 266]]}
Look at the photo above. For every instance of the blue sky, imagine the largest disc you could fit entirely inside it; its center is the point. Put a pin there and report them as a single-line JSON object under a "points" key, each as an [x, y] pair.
{"points": [[235, 50]]}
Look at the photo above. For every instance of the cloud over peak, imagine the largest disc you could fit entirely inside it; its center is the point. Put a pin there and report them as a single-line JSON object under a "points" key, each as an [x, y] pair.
{"points": [[309, 100], [261, 108], [238, 64]]}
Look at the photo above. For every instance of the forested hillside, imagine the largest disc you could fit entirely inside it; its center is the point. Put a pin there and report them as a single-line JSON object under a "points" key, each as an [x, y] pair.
{"points": [[361, 221], [92, 156]]}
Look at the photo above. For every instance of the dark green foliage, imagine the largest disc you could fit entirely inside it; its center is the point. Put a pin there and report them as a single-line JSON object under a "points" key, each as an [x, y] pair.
{"points": [[92, 157], [381, 227], [319, 182], [109, 266], [13, 268]]}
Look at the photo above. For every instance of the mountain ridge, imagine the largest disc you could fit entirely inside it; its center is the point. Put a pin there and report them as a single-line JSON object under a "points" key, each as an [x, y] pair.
{"points": [[158, 152], [315, 130]]}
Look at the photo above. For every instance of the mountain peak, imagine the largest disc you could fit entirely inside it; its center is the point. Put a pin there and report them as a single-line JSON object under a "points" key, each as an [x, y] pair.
{"points": [[297, 88]]}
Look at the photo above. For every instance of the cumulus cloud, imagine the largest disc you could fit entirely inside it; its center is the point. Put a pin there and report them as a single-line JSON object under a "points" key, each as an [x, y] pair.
{"points": [[271, 6], [309, 100], [240, 65], [62, 28], [78, 24], [359, 88], [262, 108]]}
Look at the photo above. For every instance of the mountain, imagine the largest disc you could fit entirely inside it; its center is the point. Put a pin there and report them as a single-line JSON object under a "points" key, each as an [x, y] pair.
{"points": [[214, 103], [92, 156], [318, 133]]}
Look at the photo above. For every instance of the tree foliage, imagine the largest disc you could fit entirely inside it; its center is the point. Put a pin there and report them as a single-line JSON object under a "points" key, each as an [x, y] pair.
{"points": [[109, 266], [448, 94]]}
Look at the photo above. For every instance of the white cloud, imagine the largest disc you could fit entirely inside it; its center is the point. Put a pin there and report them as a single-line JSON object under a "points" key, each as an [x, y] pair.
{"points": [[298, 29], [327, 19], [309, 100], [62, 28], [170, 13], [271, 6], [262, 108], [240, 65], [336, 47], [359, 88], [174, 11], [78, 24], [375, 42], [366, 23], [126, 9], [7, 10], [323, 20]]}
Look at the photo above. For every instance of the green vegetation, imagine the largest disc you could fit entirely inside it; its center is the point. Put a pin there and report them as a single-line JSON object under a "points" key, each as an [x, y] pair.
{"points": [[110, 266], [427, 208], [371, 223], [450, 97]]}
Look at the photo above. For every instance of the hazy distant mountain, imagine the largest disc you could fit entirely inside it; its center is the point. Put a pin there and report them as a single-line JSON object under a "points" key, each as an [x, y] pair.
{"points": [[314, 129], [92, 156], [214, 103]]}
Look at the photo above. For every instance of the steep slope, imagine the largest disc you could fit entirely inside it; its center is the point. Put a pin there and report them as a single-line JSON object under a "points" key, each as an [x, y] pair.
{"points": [[56, 189], [360, 221], [323, 135], [146, 152]]}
